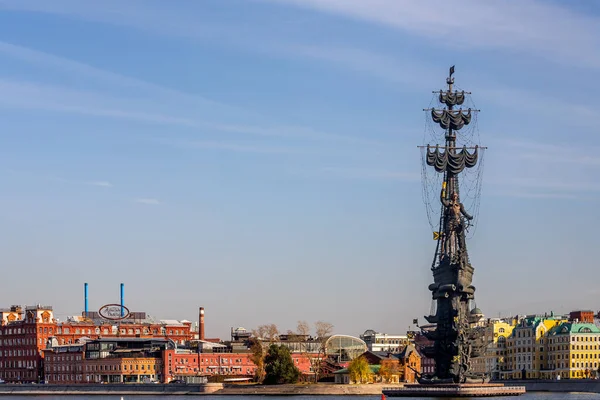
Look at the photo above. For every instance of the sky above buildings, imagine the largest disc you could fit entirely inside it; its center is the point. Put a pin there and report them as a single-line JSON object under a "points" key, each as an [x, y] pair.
{"points": [[258, 158]]}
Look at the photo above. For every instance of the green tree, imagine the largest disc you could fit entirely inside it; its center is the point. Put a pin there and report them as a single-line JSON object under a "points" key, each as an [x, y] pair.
{"points": [[359, 370], [279, 366]]}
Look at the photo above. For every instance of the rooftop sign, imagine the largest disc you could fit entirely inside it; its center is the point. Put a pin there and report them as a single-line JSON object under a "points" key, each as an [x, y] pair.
{"points": [[113, 312]]}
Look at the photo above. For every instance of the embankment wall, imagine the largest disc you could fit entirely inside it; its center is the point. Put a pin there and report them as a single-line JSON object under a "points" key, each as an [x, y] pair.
{"points": [[570, 385]]}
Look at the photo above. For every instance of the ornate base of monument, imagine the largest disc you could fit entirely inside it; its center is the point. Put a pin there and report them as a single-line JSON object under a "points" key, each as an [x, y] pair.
{"points": [[455, 390]]}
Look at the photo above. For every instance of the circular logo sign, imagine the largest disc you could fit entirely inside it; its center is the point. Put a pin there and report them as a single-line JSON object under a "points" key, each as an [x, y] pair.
{"points": [[113, 311]]}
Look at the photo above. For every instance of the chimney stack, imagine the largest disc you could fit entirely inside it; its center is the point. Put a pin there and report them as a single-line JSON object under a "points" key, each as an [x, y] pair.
{"points": [[85, 295], [122, 299], [201, 324]]}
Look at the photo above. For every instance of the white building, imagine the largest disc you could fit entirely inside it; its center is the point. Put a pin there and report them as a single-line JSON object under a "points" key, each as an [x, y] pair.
{"points": [[384, 342]]}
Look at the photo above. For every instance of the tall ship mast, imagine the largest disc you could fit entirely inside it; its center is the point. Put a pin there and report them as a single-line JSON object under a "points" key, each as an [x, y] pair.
{"points": [[444, 166]]}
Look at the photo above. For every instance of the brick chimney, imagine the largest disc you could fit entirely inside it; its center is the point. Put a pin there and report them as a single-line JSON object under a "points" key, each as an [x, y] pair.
{"points": [[201, 324]]}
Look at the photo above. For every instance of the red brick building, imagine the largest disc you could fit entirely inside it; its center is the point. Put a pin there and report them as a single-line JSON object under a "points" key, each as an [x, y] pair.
{"points": [[24, 333], [240, 364], [427, 364], [410, 361], [64, 364], [582, 316], [178, 364]]}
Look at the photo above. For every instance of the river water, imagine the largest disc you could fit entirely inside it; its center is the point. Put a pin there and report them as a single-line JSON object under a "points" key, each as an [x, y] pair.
{"points": [[527, 396]]}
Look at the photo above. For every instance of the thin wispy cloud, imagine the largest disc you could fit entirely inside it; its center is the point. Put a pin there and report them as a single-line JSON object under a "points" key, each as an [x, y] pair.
{"points": [[37, 176], [70, 66], [535, 27], [533, 195], [415, 18], [191, 111], [147, 201], [232, 146], [99, 184], [547, 185], [361, 173], [399, 71], [543, 153]]}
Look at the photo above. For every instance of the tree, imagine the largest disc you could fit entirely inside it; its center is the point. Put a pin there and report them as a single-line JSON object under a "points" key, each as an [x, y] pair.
{"points": [[323, 331], [303, 328], [389, 368], [359, 370], [258, 358], [268, 332], [279, 366]]}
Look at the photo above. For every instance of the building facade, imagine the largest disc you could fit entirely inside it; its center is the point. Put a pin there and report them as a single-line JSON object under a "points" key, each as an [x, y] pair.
{"points": [[24, 333], [64, 364], [527, 355], [574, 351], [377, 341], [179, 364], [492, 361]]}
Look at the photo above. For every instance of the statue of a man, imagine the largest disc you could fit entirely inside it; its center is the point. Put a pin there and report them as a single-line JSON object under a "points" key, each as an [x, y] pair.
{"points": [[454, 211]]}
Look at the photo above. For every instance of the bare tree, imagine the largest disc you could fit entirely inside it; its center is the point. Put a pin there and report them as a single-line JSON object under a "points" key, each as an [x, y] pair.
{"points": [[303, 328], [323, 331], [263, 333], [268, 332], [272, 333]]}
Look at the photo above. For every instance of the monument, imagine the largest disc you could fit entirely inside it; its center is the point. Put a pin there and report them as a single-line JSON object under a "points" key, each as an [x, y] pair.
{"points": [[451, 326]]}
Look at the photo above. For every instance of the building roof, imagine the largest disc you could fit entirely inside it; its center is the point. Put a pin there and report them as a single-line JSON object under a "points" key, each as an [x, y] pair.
{"points": [[374, 369], [133, 339], [407, 350], [575, 328], [380, 354], [171, 322]]}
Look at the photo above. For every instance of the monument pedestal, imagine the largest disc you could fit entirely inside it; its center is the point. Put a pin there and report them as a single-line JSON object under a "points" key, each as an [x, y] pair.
{"points": [[455, 390]]}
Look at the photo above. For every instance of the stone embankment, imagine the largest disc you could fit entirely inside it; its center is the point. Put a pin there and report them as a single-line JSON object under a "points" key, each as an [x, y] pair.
{"points": [[304, 389], [114, 388], [566, 385], [194, 389], [592, 386]]}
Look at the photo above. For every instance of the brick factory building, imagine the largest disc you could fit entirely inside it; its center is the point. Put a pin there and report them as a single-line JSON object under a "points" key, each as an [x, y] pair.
{"points": [[24, 333]]}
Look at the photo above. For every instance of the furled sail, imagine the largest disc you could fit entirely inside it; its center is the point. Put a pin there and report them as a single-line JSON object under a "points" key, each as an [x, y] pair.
{"points": [[454, 120], [452, 99], [452, 162]]}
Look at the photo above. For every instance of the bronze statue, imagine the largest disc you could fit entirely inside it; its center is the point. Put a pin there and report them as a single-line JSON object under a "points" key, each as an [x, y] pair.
{"points": [[454, 232], [452, 289]]}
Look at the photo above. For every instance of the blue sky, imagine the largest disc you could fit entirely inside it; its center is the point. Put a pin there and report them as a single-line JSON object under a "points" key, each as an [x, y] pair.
{"points": [[258, 158]]}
